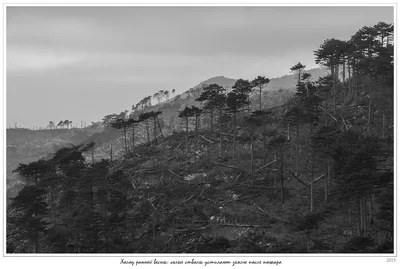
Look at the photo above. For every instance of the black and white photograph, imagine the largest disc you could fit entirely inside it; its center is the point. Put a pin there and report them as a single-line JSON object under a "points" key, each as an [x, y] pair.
{"points": [[199, 129]]}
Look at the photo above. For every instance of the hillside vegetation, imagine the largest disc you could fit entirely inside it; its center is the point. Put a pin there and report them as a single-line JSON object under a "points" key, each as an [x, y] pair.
{"points": [[222, 172], [25, 146]]}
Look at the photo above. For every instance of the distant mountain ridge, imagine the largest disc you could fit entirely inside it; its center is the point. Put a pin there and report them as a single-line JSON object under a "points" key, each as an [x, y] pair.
{"points": [[21, 145], [290, 81], [220, 80], [284, 82]]}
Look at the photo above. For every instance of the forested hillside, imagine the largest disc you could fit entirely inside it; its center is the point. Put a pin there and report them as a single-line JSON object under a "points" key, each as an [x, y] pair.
{"points": [[25, 146], [226, 172]]}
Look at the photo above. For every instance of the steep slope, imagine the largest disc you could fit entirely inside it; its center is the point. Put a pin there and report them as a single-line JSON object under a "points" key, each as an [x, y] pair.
{"points": [[25, 145], [275, 94]]}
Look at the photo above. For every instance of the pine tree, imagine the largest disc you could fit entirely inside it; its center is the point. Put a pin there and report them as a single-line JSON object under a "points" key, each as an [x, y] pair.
{"points": [[297, 70], [29, 211], [243, 88], [122, 124], [209, 91], [328, 55], [133, 124], [144, 117], [186, 114], [260, 82], [214, 97]]}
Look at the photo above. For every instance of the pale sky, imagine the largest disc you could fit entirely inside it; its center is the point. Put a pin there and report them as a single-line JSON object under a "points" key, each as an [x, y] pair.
{"points": [[81, 63]]}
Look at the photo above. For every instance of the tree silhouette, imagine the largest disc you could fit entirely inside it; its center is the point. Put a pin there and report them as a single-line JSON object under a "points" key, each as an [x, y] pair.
{"points": [[132, 123], [144, 117], [156, 123], [211, 96], [60, 124], [328, 55], [243, 87], [157, 96], [186, 114], [29, 217], [108, 119], [260, 82], [297, 70], [196, 112], [66, 123], [122, 124], [236, 100]]}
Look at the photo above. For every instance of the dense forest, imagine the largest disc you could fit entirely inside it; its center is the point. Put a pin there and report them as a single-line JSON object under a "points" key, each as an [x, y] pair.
{"points": [[314, 175]]}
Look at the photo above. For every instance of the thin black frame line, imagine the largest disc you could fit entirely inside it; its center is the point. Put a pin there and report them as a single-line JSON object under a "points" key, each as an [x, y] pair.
{"points": [[212, 4]]}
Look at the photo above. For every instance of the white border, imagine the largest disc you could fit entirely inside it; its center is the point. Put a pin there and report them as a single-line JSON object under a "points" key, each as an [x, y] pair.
{"points": [[328, 259]]}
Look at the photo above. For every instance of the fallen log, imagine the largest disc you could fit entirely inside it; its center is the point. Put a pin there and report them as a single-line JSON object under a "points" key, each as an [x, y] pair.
{"points": [[262, 167], [238, 199], [199, 196], [237, 177], [192, 229], [270, 215], [226, 165], [240, 225], [215, 202], [301, 181], [345, 124], [207, 139], [309, 184], [178, 176], [328, 113], [172, 210]]}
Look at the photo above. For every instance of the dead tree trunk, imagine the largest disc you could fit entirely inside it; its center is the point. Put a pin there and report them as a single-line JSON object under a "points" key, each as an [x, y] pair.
{"points": [[155, 130], [220, 131], [111, 152], [159, 126], [265, 149], [334, 75], [212, 119], [344, 72], [234, 134], [251, 155], [350, 79], [281, 176], [297, 149], [147, 131], [326, 179], [312, 185]]}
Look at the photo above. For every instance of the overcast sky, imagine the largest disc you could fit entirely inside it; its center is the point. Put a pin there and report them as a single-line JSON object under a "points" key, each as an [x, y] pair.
{"points": [[81, 63]]}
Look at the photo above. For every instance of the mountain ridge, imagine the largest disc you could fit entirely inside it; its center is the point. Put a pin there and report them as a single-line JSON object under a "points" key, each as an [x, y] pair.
{"points": [[286, 81]]}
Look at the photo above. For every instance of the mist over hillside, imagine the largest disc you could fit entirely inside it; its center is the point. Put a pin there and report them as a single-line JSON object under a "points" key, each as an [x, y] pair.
{"points": [[32, 145], [284, 82], [25, 146]]}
